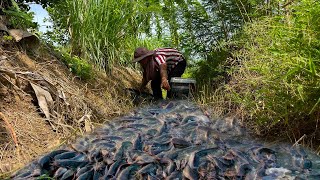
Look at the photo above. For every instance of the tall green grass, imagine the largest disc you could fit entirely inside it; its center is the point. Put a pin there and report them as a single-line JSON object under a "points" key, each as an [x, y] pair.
{"points": [[278, 80], [106, 31]]}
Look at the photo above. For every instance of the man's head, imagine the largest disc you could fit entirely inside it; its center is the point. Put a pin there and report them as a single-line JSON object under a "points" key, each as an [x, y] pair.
{"points": [[141, 53]]}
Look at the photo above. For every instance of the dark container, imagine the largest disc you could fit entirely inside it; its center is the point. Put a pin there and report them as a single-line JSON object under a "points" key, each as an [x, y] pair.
{"points": [[182, 87]]}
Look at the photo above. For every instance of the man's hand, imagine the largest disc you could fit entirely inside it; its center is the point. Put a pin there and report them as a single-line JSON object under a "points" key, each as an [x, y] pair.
{"points": [[165, 84], [164, 77]]}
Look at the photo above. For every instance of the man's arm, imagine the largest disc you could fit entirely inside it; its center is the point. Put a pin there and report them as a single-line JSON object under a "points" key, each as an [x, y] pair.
{"points": [[164, 77]]}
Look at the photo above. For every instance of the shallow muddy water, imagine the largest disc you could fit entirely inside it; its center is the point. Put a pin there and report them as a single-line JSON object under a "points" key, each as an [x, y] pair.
{"points": [[173, 140]]}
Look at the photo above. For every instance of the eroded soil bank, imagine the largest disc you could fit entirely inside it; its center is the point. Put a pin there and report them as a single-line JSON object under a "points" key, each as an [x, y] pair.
{"points": [[43, 104]]}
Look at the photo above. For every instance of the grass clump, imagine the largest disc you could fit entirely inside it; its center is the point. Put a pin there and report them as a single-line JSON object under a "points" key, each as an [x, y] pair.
{"points": [[78, 66], [106, 32], [278, 80], [268, 75]]}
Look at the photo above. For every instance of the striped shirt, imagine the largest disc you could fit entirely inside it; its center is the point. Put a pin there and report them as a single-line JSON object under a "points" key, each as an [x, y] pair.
{"points": [[168, 55]]}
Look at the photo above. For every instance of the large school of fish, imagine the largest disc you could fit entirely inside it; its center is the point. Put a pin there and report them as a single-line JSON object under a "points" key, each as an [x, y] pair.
{"points": [[172, 140]]}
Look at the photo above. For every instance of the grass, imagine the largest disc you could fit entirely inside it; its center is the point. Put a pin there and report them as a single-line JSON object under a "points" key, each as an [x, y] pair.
{"points": [[80, 67], [278, 81], [274, 75], [107, 32]]}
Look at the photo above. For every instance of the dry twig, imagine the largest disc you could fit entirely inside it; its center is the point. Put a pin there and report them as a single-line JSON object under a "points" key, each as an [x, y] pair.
{"points": [[10, 129], [296, 143]]}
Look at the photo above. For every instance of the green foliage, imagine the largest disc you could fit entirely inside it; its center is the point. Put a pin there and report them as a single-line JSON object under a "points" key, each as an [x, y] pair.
{"points": [[19, 18], [24, 4], [59, 34], [78, 66], [278, 81], [7, 38], [188, 73], [44, 3], [212, 69], [102, 31]]}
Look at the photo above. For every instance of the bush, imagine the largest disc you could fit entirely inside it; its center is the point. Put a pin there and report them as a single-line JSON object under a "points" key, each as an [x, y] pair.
{"points": [[78, 66], [278, 81], [19, 19], [212, 70]]}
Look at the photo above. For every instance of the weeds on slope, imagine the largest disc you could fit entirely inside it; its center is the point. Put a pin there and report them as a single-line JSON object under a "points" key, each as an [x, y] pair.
{"points": [[278, 80], [274, 78]]}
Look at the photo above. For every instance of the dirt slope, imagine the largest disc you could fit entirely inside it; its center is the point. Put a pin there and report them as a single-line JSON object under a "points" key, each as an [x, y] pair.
{"points": [[76, 106]]}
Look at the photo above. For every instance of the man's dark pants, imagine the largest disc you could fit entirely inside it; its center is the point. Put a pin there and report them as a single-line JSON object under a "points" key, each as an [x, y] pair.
{"points": [[175, 72]]}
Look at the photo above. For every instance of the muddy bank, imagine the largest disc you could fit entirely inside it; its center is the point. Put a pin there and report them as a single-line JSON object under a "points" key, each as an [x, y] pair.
{"points": [[43, 104]]}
